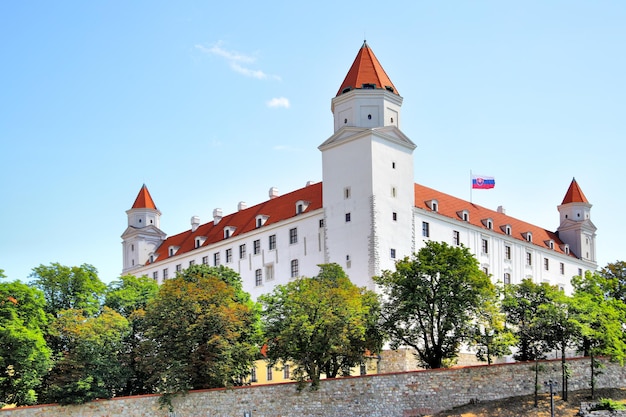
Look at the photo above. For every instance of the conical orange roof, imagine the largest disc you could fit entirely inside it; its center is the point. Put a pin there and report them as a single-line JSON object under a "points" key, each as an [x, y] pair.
{"points": [[144, 199], [366, 70], [574, 194]]}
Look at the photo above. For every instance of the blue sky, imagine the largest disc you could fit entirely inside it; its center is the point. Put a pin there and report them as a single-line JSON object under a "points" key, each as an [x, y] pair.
{"points": [[212, 103]]}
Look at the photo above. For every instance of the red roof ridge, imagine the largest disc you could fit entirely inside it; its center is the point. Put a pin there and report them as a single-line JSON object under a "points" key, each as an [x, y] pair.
{"points": [[144, 199], [574, 194], [366, 69]]}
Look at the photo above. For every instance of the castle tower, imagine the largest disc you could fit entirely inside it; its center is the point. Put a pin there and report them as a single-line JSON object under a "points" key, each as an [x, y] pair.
{"points": [[367, 169], [142, 235], [576, 228]]}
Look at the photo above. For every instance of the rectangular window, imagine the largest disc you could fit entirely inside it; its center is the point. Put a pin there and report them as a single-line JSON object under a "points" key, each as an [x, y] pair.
{"points": [[393, 253], [286, 374], [546, 264], [394, 216], [272, 242], [580, 272], [229, 255], [293, 235], [425, 229], [562, 268], [486, 270], [529, 258], [253, 375], [258, 278], [485, 246], [242, 251], [347, 217], [192, 262], [346, 192], [507, 252], [321, 223], [456, 237], [216, 259], [363, 369], [269, 272], [269, 373], [179, 268], [165, 273], [155, 275], [507, 278], [256, 246], [205, 260], [294, 268]]}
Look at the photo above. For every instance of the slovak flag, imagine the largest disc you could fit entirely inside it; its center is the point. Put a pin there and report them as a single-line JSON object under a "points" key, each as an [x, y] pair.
{"points": [[482, 182]]}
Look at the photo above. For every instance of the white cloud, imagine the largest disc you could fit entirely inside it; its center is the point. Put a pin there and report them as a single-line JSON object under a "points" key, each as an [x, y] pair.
{"points": [[236, 61], [279, 102]]}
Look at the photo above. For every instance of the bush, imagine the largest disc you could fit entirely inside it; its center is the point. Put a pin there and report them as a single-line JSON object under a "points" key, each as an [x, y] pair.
{"points": [[608, 404]]}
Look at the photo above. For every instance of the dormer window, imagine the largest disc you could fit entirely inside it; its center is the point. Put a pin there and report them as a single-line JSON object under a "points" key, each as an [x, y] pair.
{"points": [[433, 205], [488, 223], [301, 206], [550, 243], [368, 86], [261, 219], [528, 236], [172, 250], [506, 229], [228, 231], [389, 88], [565, 248], [464, 215], [200, 241]]}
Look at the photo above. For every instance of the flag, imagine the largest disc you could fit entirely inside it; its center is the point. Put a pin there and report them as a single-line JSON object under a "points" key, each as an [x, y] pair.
{"points": [[482, 182]]}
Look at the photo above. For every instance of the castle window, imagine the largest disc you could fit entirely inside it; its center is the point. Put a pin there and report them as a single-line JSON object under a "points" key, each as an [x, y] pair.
{"points": [[456, 237], [507, 230], [155, 275], [192, 262], [229, 255], [486, 270], [345, 120], [392, 253], [269, 272], [529, 259], [347, 217], [393, 192], [463, 215], [216, 259], [286, 372], [256, 246], [562, 268], [433, 205], [346, 193], [580, 272], [132, 248], [205, 260], [165, 273], [179, 268], [258, 278], [425, 229], [369, 117], [393, 164], [394, 216], [485, 246], [507, 278], [253, 375], [293, 235], [507, 252], [321, 223], [269, 373], [242, 251], [261, 219], [272, 242], [546, 264], [294, 268], [301, 206], [528, 236]]}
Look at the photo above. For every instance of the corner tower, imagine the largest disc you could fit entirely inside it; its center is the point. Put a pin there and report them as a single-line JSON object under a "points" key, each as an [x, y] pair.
{"points": [[576, 228], [142, 235], [367, 169]]}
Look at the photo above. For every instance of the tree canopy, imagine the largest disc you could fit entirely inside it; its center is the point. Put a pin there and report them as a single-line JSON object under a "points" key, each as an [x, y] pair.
{"points": [[431, 300], [324, 324]]}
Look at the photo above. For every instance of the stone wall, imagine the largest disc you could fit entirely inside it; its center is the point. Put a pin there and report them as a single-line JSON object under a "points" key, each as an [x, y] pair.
{"points": [[406, 394]]}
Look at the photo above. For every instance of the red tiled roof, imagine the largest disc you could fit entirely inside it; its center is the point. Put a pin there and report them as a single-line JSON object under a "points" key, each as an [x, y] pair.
{"points": [[366, 70], [574, 194], [450, 206], [144, 200], [277, 209]]}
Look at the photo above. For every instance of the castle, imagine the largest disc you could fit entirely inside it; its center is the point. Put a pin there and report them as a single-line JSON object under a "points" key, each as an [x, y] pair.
{"points": [[365, 214]]}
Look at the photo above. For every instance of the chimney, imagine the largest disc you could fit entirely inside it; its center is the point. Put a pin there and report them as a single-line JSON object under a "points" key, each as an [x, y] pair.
{"points": [[242, 206], [309, 183], [217, 215], [195, 222], [501, 210], [273, 193]]}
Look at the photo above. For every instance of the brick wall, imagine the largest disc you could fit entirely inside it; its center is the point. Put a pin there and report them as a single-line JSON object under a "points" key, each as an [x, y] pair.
{"points": [[405, 394]]}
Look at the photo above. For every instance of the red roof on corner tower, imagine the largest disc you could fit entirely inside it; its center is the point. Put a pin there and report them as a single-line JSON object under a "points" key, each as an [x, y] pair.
{"points": [[366, 70], [574, 194], [144, 199]]}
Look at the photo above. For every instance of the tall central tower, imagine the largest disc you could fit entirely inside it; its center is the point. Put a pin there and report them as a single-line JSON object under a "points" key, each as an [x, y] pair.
{"points": [[367, 164]]}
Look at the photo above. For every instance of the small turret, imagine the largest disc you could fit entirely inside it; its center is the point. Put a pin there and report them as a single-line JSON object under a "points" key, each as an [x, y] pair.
{"points": [[576, 228]]}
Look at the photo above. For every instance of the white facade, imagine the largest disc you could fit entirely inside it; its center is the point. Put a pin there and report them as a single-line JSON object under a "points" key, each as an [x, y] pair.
{"points": [[366, 214]]}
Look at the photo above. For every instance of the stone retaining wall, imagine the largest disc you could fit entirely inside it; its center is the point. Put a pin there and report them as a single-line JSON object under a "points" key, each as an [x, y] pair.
{"points": [[406, 394]]}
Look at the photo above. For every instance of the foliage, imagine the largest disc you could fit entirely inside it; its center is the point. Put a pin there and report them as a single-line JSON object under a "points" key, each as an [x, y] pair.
{"points": [[323, 324], [614, 275], [201, 331], [432, 299], [64, 288], [130, 293], [88, 366], [489, 335], [24, 355], [608, 404]]}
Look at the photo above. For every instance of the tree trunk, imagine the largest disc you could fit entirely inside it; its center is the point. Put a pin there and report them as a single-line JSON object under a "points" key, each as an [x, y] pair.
{"points": [[563, 374]]}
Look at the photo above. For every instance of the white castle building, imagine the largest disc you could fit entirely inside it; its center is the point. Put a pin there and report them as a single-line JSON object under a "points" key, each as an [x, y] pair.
{"points": [[365, 214]]}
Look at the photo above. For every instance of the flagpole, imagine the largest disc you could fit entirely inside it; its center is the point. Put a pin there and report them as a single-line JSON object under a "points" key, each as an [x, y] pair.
{"points": [[471, 186]]}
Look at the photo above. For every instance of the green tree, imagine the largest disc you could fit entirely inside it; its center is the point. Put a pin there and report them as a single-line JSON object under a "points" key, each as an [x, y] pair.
{"points": [[599, 317], [432, 299], [614, 275], [323, 324], [130, 293], [88, 365], [64, 288], [24, 355], [202, 331]]}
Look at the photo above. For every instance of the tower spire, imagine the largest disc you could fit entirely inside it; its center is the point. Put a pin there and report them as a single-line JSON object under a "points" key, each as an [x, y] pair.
{"points": [[366, 73]]}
